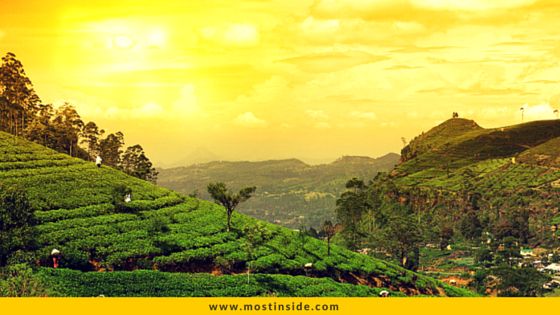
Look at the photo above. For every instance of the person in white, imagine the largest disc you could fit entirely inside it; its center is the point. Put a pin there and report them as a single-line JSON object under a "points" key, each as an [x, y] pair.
{"points": [[127, 198], [98, 161]]}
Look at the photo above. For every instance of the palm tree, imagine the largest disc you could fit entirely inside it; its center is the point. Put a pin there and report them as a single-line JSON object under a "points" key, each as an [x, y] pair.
{"points": [[556, 113], [522, 109]]}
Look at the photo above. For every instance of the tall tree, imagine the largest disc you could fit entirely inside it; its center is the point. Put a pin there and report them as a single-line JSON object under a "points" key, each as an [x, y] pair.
{"points": [[111, 149], [135, 163], [402, 238], [16, 222], [329, 230], [222, 195], [91, 135], [68, 126], [350, 208], [41, 129], [20, 100]]}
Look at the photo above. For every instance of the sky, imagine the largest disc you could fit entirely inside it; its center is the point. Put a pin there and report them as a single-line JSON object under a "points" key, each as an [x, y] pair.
{"points": [[308, 79]]}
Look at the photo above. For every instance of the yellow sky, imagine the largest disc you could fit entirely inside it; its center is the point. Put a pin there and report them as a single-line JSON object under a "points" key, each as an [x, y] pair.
{"points": [[312, 79]]}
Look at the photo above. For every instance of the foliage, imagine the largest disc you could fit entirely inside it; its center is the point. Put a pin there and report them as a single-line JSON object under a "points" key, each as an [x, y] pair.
{"points": [[135, 163], [228, 199], [291, 192], [16, 222], [153, 284], [520, 281], [75, 211], [18, 280], [350, 208]]}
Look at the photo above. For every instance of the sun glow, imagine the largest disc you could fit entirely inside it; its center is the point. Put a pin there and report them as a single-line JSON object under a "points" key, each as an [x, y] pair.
{"points": [[312, 79]]}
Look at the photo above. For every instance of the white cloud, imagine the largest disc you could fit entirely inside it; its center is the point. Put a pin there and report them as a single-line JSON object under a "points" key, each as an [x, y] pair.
{"points": [[317, 114], [537, 112], [187, 102], [363, 115], [316, 27], [233, 34], [248, 119], [471, 5]]}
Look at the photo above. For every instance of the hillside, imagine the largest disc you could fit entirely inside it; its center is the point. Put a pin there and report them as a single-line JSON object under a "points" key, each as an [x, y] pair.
{"points": [[290, 192], [174, 238], [546, 154], [512, 169], [481, 150]]}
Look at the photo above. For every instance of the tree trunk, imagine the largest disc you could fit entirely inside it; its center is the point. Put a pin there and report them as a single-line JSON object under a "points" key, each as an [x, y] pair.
{"points": [[229, 212]]}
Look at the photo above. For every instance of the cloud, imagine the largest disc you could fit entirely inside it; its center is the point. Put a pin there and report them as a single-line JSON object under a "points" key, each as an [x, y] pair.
{"points": [[187, 102], [538, 112], [313, 27], [363, 115], [248, 119], [233, 34], [317, 114], [555, 101], [471, 5], [333, 61]]}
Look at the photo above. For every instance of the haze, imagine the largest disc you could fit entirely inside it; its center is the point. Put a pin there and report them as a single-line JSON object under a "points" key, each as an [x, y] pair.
{"points": [[314, 80]]}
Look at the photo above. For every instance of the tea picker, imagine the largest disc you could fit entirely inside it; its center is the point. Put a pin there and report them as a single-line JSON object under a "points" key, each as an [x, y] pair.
{"points": [[55, 253]]}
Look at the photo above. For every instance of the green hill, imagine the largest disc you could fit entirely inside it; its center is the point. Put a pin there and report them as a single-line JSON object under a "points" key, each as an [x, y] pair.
{"points": [[290, 192], [166, 240], [513, 169], [546, 154], [487, 152]]}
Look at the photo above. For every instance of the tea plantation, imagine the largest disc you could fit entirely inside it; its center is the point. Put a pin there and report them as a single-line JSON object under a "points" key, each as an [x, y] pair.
{"points": [[164, 244]]}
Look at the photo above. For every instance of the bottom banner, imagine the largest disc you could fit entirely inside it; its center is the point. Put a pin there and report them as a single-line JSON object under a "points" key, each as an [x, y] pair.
{"points": [[432, 306]]}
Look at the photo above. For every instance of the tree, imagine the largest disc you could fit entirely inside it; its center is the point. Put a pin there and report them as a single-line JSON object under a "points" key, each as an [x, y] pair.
{"points": [[68, 126], [508, 252], [350, 208], [111, 149], [91, 135], [16, 222], [470, 225], [222, 195], [135, 163], [515, 225], [41, 129], [402, 237], [519, 282], [445, 235], [19, 98], [329, 230]]}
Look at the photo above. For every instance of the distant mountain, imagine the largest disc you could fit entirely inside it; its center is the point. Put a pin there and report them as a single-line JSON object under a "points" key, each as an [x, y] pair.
{"points": [[289, 192], [196, 156]]}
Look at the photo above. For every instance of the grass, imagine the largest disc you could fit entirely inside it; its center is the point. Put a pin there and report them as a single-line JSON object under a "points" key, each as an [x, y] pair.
{"points": [[147, 283], [164, 231]]}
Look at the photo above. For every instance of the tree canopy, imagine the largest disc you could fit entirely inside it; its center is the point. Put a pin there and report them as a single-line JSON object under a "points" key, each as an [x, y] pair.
{"points": [[222, 195]]}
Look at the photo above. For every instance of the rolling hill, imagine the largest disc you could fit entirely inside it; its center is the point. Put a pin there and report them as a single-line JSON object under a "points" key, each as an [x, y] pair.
{"points": [[512, 172], [289, 192], [166, 244], [499, 158]]}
